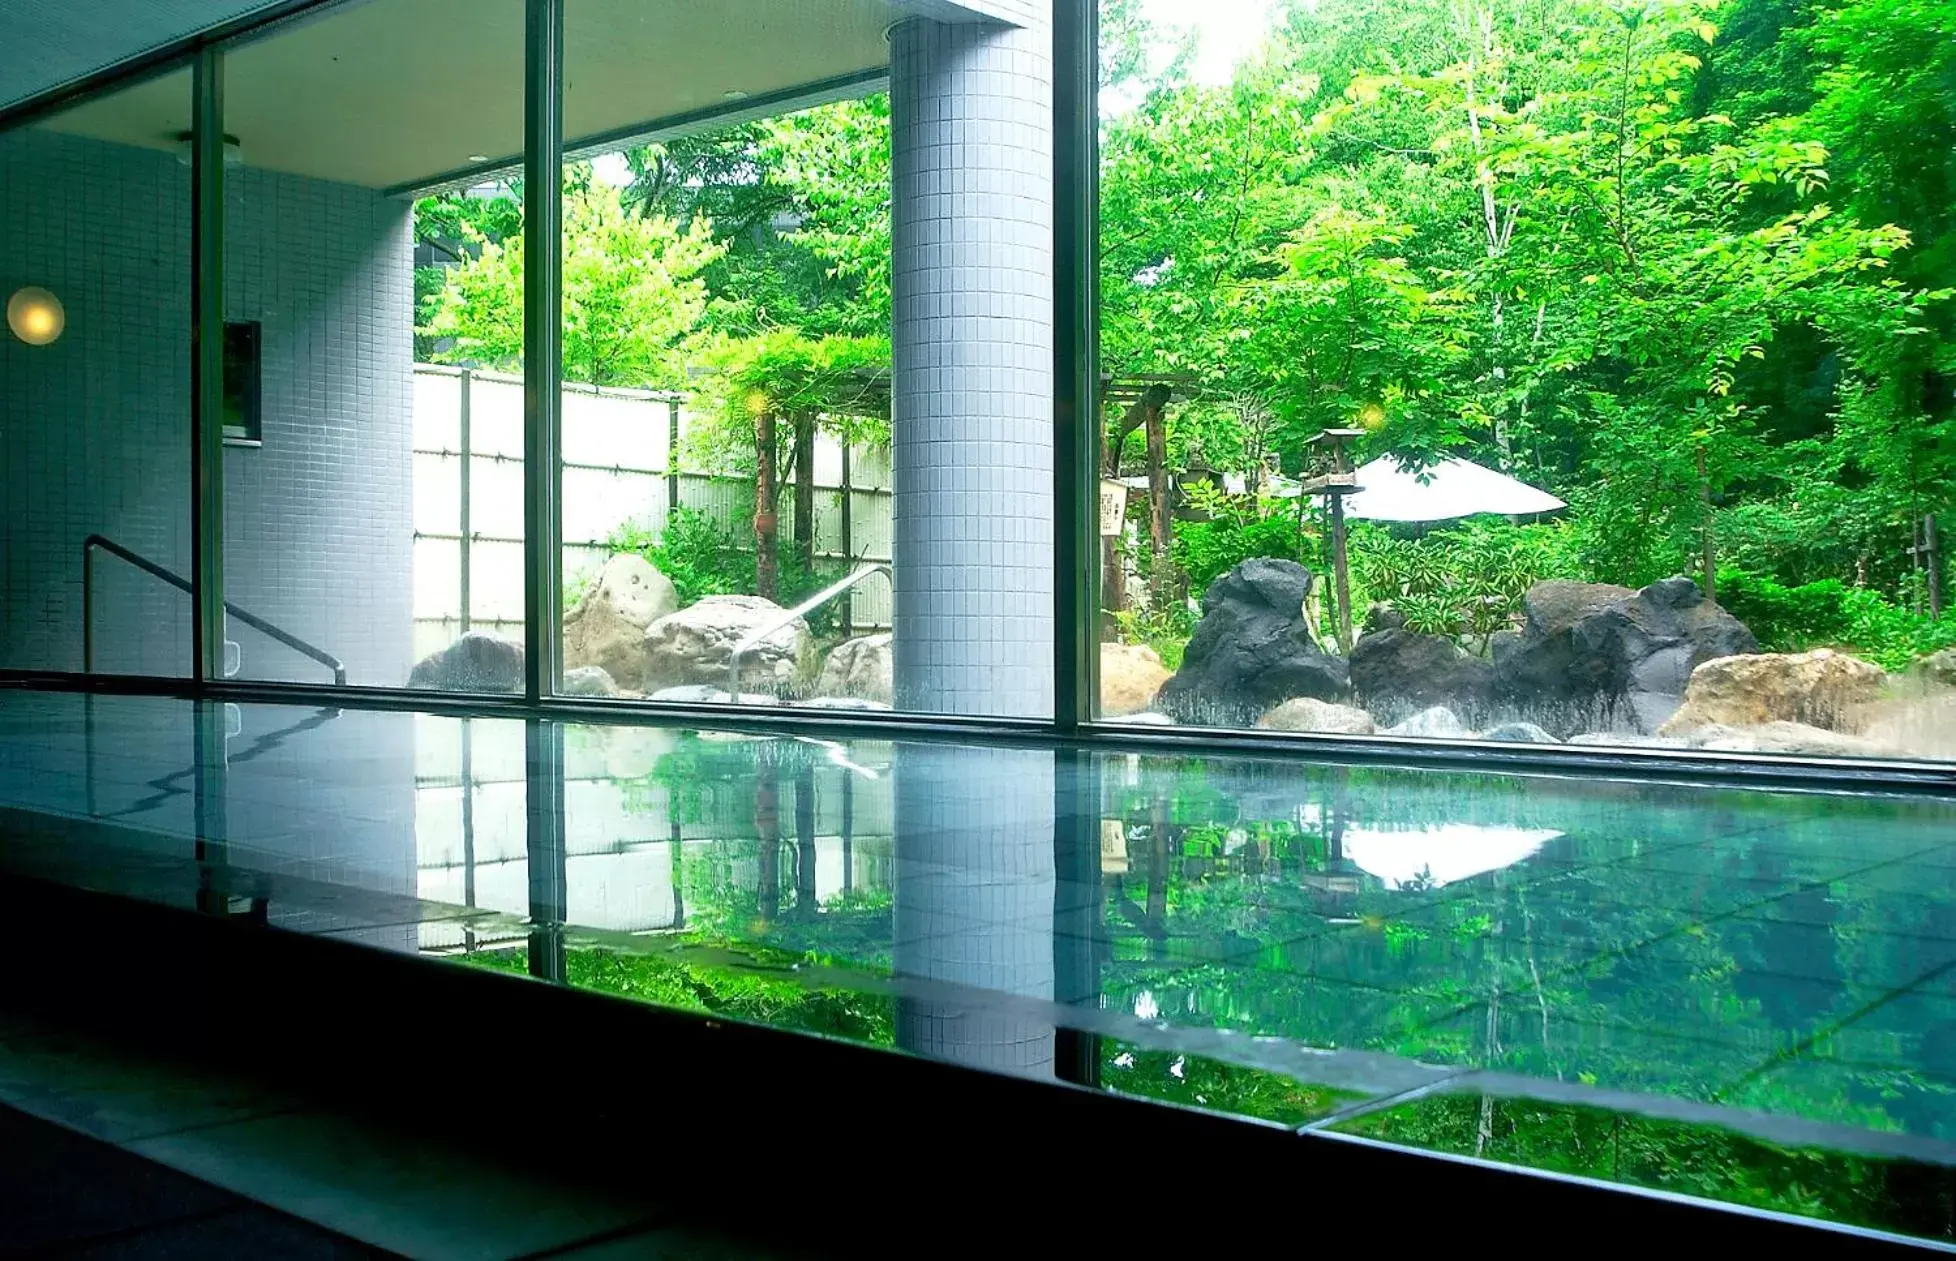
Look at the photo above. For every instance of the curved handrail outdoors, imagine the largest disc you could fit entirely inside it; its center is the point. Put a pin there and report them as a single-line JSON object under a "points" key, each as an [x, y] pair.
{"points": [[181, 583], [755, 638]]}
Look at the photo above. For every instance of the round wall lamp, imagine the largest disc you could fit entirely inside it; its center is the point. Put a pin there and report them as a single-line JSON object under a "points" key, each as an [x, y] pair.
{"points": [[35, 316], [233, 149]]}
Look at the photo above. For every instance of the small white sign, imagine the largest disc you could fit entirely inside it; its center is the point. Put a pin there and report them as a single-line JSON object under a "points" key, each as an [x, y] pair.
{"points": [[1113, 508]]}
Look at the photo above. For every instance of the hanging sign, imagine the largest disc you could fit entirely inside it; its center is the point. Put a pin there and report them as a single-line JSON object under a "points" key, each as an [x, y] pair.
{"points": [[1113, 508]]}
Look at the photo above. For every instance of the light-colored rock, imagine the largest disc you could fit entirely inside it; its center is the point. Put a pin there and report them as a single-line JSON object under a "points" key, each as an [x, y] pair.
{"points": [[1629, 740], [1922, 725], [606, 628], [859, 668], [1782, 737], [1519, 733], [1822, 688], [589, 681], [1439, 721], [694, 645], [1148, 719], [1937, 668], [1305, 714], [1130, 675]]}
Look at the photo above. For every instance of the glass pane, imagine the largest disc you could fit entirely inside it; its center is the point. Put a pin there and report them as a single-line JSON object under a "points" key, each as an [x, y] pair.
{"points": [[372, 213], [95, 385], [1529, 374], [1744, 996], [806, 341]]}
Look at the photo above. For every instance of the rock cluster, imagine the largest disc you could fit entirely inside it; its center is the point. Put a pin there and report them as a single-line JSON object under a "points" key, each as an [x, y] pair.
{"points": [[606, 628], [1252, 650], [696, 643]]}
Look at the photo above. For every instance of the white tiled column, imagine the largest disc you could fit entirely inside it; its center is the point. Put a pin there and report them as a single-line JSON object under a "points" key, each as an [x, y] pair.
{"points": [[972, 417]]}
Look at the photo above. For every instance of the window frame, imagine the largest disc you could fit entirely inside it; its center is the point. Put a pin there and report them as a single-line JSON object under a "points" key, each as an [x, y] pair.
{"points": [[1076, 572]]}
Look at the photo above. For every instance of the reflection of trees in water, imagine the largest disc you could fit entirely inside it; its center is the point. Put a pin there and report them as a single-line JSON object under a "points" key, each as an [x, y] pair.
{"points": [[1671, 940], [764, 804], [1677, 941], [1699, 1160]]}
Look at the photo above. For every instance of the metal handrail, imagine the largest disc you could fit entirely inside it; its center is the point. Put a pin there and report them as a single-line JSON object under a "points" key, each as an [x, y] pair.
{"points": [[181, 583], [755, 638]]}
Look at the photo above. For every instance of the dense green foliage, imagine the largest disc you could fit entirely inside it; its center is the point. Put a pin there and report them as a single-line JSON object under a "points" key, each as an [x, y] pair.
{"points": [[763, 990], [1232, 529], [1685, 264], [1688, 264], [1468, 580]]}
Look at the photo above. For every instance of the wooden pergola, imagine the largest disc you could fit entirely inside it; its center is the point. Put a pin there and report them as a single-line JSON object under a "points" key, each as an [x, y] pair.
{"points": [[1142, 401]]}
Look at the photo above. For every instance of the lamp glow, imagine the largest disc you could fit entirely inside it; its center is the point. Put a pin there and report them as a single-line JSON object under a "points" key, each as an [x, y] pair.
{"points": [[35, 316]]}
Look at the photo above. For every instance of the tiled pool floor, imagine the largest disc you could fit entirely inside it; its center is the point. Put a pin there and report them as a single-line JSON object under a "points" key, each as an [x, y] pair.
{"points": [[1651, 982]]}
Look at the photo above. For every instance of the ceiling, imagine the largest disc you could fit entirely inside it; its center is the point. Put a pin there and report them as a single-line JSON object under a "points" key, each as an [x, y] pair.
{"points": [[52, 42], [407, 93]]}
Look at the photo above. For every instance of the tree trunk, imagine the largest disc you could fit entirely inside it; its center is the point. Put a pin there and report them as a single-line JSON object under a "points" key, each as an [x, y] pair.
{"points": [[805, 490], [767, 834], [1113, 579], [767, 580], [805, 899]]}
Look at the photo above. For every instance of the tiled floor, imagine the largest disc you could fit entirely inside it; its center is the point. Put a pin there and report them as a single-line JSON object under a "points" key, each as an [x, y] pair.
{"points": [[66, 1195], [1309, 942], [110, 1153]]}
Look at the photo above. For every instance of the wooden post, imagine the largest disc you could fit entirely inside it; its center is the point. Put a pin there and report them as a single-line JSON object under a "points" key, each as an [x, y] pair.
{"points": [[1932, 558], [767, 582], [805, 491], [848, 547], [1161, 585], [1705, 526], [1113, 574], [1341, 573], [1334, 484], [672, 456]]}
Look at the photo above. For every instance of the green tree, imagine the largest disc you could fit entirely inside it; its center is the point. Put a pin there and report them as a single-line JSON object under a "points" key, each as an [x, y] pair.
{"points": [[633, 296]]}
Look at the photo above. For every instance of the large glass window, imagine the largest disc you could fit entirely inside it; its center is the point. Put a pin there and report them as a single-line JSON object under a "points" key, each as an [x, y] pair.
{"points": [[807, 340], [374, 512], [1529, 374], [95, 386]]}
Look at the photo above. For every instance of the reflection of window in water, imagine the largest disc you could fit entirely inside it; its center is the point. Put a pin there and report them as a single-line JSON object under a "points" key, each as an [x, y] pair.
{"points": [[1429, 857]]}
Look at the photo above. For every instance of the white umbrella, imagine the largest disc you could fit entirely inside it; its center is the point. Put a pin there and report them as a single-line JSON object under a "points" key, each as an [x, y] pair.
{"points": [[1441, 492]]}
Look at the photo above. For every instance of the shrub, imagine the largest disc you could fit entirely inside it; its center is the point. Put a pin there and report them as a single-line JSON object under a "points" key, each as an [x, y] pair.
{"points": [[1891, 636], [701, 557], [1786, 619], [1465, 580], [1166, 631], [698, 555], [1205, 550], [1239, 527], [1828, 613]]}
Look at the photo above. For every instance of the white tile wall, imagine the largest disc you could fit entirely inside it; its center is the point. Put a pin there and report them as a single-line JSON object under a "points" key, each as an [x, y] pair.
{"points": [[318, 520]]}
